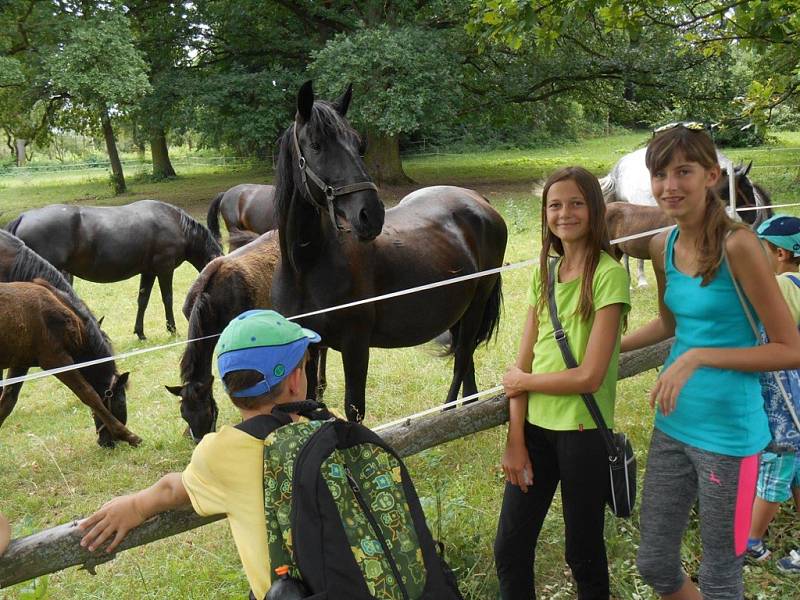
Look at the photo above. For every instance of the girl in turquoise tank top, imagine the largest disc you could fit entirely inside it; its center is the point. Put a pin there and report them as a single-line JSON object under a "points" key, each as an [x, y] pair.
{"points": [[710, 423]]}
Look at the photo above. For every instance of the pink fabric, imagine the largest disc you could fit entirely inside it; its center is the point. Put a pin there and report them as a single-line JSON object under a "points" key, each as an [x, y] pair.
{"points": [[748, 475]]}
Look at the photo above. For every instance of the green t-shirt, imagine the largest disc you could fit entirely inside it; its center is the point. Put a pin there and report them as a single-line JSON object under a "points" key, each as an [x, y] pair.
{"points": [[568, 412]]}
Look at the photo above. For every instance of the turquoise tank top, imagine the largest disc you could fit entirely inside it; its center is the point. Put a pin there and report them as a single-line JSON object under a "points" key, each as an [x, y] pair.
{"points": [[718, 410]]}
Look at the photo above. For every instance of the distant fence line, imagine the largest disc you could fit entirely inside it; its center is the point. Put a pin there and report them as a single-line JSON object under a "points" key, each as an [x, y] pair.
{"points": [[96, 165]]}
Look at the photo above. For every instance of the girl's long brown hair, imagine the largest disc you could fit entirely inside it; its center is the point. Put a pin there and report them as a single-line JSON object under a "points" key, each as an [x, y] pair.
{"points": [[696, 146], [597, 242]]}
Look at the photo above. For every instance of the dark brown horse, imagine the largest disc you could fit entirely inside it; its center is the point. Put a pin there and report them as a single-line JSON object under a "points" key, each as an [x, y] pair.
{"points": [[338, 245], [226, 287], [105, 244], [247, 207], [42, 327]]}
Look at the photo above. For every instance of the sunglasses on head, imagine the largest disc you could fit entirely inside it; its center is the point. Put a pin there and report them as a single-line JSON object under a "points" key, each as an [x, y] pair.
{"points": [[690, 125]]}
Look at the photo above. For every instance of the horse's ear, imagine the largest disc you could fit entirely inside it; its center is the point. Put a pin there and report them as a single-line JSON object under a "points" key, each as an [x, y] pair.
{"points": [[305, 101], [342, 103], [174, 389], [747, 170], [123, 379], [100, 321]]}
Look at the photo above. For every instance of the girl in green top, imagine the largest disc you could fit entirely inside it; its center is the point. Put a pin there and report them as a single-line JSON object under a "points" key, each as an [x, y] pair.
{"points": [[551, 436]]}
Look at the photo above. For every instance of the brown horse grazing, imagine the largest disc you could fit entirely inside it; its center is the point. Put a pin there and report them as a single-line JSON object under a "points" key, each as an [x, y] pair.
{"points": [[42, 327], [245, 207], [20, 263], [112, 243], [338, 244], [226, 287]]}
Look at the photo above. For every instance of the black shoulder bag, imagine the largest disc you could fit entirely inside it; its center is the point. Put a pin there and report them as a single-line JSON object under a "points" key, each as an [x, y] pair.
{"points": [[621, 461]]}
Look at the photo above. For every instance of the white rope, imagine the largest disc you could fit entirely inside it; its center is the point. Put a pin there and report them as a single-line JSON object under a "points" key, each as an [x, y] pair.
{"points": [[97, 361], [767, 206], [441, 407], [515, 266]]}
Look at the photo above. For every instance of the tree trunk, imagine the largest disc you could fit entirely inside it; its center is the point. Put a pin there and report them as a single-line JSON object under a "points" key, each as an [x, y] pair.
{"points": [[162, 167], [117, 176], [19, 150], [383, 159]]}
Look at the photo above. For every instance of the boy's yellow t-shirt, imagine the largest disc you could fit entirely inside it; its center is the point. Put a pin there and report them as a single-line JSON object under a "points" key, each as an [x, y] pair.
{"points": [[568, 412], [791, 293], [226, 476]]}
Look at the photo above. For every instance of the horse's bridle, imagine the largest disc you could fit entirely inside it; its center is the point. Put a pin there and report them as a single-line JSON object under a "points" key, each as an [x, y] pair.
{"points": [[107, 395], [329, 191]]}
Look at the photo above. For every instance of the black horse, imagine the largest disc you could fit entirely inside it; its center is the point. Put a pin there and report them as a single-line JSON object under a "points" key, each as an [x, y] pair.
{"points": [[245, 208], [338, 245], [20, 263], [105, 244]]}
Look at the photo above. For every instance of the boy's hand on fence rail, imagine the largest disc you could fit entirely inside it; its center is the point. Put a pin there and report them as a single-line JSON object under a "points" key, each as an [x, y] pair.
{"points": [[117, 517]]}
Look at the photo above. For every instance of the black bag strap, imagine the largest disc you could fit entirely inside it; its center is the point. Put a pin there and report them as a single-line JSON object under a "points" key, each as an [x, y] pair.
{"points": [[261, 426], [569, 360]]}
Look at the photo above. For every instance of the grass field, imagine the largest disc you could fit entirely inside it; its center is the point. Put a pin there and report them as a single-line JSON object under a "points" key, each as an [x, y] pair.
{"points": [[52, 471]]}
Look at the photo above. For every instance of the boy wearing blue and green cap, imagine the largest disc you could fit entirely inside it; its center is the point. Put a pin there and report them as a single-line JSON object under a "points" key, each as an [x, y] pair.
{"points": [[779, 471], [261, 358]]}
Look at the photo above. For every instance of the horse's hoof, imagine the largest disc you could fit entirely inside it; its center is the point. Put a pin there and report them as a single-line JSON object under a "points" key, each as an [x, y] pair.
{"points": [[142, 337], [172, 329], [106, 443]]}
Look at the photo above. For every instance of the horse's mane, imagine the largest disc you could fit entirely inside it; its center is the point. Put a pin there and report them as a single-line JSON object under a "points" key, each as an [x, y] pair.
{"points": [[28, 266], [199, 285], [197, 353], [198, 235]]}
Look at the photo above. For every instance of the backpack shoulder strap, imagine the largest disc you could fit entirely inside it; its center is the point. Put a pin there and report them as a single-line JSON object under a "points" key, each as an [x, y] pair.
{"points": [[261, 426], [794, 279]]}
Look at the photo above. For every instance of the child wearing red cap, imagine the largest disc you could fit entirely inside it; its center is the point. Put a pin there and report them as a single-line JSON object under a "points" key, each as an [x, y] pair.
{"points": [[261, 359]]}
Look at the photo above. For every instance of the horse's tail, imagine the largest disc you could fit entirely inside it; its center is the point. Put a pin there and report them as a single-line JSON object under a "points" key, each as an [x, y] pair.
{"points": [[491, 313], [608, 186], [13, 225], [488, 326], [212, 217], [240, 237]]}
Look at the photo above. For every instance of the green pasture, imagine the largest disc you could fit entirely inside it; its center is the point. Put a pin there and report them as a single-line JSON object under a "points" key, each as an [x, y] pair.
{"points": [[52, 471]]}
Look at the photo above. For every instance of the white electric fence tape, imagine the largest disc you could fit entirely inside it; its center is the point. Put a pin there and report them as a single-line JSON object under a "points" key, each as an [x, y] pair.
{"points": [[519, 265]]}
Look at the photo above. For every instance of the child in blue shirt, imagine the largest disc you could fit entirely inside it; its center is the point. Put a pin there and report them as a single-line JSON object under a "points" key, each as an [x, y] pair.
{"points": [[779, 469]]}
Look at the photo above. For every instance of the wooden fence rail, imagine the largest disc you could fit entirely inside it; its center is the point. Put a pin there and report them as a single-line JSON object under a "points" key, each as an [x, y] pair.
{"points": [[57, 548]]}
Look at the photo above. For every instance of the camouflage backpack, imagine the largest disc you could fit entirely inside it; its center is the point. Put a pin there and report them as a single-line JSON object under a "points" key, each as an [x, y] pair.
{"points": [[342, 512]]}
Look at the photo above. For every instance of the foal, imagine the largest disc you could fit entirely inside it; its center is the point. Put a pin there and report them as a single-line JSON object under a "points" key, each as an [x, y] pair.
{"points": [[40, 327]]}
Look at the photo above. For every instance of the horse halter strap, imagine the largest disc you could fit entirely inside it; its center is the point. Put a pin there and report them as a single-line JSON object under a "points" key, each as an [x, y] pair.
{"points": [[329, 191]]}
